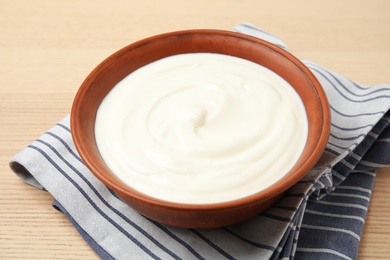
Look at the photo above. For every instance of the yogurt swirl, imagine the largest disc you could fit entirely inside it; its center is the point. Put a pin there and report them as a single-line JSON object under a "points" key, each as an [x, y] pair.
{"points": [[201, 128]]}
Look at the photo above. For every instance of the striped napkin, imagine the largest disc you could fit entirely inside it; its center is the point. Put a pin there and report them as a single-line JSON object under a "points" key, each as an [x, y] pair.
{"points": [[321, 217]]}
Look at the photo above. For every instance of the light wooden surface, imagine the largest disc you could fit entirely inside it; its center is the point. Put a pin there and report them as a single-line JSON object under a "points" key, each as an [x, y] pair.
{"points": [[47, 48]]}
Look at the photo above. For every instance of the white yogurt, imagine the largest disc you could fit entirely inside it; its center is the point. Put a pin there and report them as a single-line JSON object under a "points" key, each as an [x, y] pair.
{"points": [[201, 128]]}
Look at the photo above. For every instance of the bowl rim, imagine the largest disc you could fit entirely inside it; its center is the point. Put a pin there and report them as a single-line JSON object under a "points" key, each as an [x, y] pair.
{"points": [[271, 191]]}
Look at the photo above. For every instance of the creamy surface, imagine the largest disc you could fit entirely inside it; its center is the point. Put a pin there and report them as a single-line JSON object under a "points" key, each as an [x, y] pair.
{"points": [[201, 128]]}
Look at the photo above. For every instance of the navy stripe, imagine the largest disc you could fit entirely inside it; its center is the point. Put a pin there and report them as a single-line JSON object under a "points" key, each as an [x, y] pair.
{"points": [[339, 176], [329, 150], [348, 98], [276, 217], [70, 150], [357, 115], [351, 160], [343, 147], [291, 232], [172, 235], [112, 192], [309, 64], [138, 228], [347, 138], [253, 243], [64, 126], [211, 244], [353, 128], [319, 69], [93, 204]]}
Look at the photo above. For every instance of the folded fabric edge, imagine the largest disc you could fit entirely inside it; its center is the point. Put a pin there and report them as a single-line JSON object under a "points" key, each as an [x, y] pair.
{"points": [[24, 174], [17, 162], [357, 185]]}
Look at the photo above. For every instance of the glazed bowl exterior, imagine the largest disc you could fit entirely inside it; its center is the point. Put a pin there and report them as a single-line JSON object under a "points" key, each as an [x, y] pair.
{"points": [[113, 69]]}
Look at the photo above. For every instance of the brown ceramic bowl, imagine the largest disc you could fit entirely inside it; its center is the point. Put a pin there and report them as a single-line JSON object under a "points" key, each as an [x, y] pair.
{"points": [[104, 77]]}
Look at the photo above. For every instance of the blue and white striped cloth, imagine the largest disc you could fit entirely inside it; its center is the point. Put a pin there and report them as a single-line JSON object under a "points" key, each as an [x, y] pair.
{"points": [[321, 217]]}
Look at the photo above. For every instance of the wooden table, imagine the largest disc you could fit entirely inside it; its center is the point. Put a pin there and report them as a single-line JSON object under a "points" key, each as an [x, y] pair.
{"points": [[48, 47]]}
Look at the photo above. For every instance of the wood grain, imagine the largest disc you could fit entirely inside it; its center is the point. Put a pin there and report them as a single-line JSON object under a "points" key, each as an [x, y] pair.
{"points": [[48, 47]]}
